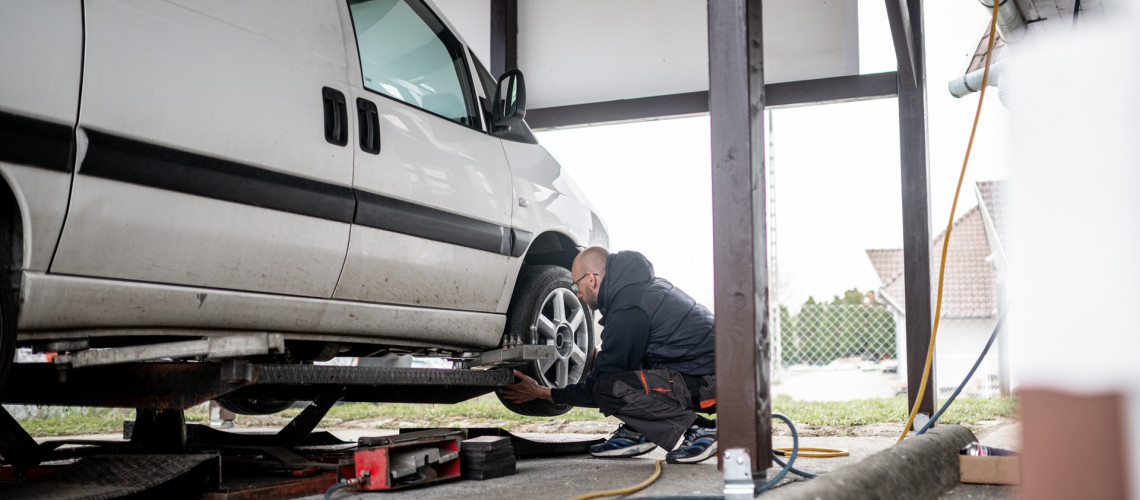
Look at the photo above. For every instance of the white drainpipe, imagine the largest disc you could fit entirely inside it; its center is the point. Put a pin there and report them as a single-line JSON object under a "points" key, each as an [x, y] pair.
{"points": [[1011, 28], [972, 82], [1010, 25]]}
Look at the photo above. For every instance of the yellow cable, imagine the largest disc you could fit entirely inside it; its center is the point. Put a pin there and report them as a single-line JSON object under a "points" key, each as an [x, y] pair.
{"points": [[949, 226], [821, 452], [628, 490]]}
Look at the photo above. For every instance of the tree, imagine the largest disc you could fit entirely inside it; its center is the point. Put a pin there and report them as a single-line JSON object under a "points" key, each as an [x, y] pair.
{"points": [[851, 325]]}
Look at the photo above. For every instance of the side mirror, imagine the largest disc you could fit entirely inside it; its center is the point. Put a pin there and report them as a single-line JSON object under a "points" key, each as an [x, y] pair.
{"points": [[510, 102]]}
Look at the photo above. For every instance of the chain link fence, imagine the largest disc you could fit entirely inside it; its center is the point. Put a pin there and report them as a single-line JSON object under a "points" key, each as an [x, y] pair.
{"points": [[842, 351], [836, 351]]}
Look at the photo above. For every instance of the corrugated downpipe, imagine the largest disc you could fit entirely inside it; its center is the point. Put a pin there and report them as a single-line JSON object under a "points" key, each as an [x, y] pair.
{"points": [[1010, 25]]}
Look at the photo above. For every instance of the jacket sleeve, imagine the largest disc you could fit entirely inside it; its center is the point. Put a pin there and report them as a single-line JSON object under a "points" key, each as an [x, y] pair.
{"points": [[624, 340]]}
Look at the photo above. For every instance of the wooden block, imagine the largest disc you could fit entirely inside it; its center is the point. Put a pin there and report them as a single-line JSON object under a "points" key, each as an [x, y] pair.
{"points": [[989, 470]]}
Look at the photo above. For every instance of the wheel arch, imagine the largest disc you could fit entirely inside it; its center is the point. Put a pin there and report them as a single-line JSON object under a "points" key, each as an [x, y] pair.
{"points": [[13, 245], [551, 248]]}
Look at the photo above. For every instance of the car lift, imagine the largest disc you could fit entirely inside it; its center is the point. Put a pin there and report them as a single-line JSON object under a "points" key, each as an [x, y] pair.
{"points": [[161, 453]]}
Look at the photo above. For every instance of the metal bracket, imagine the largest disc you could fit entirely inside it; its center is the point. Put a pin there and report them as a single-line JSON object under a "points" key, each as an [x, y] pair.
{"points": [[738, 481], [228, 346], [515, 355]]}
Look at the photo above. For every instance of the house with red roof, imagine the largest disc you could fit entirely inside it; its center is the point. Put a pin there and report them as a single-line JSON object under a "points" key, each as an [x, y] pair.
{"points": [[971, 296]]}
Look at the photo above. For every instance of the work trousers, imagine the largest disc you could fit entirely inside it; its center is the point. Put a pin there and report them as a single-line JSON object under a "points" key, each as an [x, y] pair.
{"points": [[660, 404]]}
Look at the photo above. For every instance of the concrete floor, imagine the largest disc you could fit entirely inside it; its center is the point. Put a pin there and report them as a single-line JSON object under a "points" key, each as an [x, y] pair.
{"points": [[555, 478], [569, 477]]}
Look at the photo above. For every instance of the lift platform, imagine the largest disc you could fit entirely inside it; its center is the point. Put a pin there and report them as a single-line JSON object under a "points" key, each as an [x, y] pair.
{"points": [[161, 453]]}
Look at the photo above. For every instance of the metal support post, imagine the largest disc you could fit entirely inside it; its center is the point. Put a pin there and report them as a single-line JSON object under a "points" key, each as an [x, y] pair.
{"points": [[916, 220], [740, 252], [504, 36]]}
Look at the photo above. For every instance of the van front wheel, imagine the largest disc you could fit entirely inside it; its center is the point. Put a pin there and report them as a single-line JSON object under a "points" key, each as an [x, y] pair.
{"points": [[545, 311]]}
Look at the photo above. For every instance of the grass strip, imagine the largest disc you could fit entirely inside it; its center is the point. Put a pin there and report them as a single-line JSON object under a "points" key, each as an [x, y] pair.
{"points": [[487, 411]]}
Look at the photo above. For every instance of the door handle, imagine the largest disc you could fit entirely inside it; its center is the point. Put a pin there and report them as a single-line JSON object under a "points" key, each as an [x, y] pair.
{"points": [[369, 120], [336, 116]]}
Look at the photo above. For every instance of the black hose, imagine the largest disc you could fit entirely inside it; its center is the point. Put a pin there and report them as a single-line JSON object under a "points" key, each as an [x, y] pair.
{"points": [[761, 489], [795, 453], [333, 488], [793, 470], [990, 343], [1076, 13]]}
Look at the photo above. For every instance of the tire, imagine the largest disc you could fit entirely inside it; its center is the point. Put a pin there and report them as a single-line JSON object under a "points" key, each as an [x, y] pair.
{"points": [[543, 310], [7, 328], [255, 406]]}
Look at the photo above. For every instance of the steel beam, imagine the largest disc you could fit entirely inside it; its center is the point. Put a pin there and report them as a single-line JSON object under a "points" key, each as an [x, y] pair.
{"points": [[916, 220], [907, 41], [504, 36], [831, 90], [777, 95], [174, 386], [740, 270]]}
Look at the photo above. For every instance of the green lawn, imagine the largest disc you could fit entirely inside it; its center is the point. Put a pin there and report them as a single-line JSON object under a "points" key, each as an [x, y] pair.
{"points": [[486, 411], [964, 411]]}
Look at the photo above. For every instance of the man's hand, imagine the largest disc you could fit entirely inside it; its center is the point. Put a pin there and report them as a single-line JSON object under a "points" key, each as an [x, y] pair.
{"points": [[525, 390]]}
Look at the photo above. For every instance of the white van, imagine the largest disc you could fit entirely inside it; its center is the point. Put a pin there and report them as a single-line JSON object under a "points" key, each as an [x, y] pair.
{"points": [[277, 181]]}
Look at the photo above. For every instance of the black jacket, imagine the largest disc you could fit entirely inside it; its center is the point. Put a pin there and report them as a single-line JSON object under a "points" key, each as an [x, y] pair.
{"points": [[649, 324]]}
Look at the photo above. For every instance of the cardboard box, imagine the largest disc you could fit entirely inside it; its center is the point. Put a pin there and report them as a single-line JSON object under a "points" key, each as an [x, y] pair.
{"points": [[989, 470]]}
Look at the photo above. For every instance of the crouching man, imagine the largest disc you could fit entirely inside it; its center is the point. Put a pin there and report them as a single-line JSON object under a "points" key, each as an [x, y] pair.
{"points": [[656, 367]]}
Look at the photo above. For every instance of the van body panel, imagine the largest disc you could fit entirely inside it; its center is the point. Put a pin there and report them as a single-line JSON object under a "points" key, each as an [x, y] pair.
{"points": [[437, 167], [167, 90], [42, 61]]}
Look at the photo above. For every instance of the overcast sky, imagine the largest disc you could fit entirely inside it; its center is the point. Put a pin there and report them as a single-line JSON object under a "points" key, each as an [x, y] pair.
{"points": [[836, 180]]}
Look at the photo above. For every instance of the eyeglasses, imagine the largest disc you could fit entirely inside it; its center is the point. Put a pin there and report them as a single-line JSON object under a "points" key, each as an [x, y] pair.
{"points": [[574, 285]]}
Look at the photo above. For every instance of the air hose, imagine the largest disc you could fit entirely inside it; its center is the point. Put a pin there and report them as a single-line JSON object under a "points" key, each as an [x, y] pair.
{"points": [[949, 226], [626, 491], [657, 473]]}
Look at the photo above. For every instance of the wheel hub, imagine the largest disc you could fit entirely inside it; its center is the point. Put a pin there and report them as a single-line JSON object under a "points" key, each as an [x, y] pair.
{"points": [[564, 341]]}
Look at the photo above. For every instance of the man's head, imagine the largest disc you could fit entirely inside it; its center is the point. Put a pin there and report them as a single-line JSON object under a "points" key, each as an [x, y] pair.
{"points": [[588, 270]]}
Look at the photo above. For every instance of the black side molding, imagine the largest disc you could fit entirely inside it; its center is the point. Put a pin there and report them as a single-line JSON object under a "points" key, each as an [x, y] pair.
{"points": [[146, 164], [36, 143], [136, 162], [398, 216]]}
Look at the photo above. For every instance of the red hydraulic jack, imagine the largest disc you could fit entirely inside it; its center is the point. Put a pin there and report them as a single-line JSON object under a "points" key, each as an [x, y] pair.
{"points": [[403, 460]]}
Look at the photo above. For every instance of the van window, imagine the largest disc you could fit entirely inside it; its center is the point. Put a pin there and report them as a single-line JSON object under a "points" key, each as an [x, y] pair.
{"points": [[406, 53]]}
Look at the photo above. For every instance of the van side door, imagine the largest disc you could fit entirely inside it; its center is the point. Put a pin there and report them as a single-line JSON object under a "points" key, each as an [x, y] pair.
{"points": [[205, 158], [41, 58], [434, 190]]}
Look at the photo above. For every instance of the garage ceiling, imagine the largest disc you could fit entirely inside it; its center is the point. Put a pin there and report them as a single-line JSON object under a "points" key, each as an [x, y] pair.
{"points": [[590, 51]]}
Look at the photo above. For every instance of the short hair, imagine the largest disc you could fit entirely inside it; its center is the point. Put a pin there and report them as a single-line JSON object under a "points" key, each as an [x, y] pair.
{"points": [[593, 260]]}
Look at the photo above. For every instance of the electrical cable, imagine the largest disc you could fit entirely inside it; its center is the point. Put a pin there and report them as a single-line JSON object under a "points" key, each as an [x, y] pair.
{"points": [[818, 452], [626, 491], [949, 226], [657, 473], [985, 350]]}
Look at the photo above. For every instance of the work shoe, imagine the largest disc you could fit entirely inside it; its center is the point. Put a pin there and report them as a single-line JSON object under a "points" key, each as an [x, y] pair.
{"points": [[699, 444], [624, 442]]}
